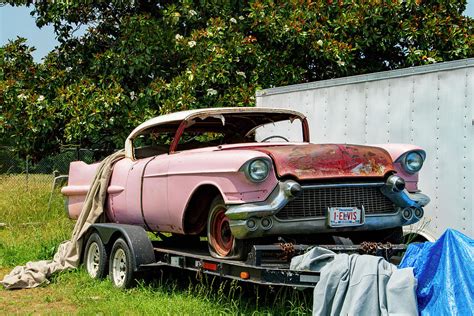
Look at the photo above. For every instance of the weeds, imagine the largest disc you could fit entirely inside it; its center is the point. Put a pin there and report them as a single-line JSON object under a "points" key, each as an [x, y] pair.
{"points": [[414, 231]]}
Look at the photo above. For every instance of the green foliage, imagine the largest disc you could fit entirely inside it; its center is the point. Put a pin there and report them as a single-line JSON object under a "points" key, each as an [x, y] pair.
{"points": [[140, 59]]}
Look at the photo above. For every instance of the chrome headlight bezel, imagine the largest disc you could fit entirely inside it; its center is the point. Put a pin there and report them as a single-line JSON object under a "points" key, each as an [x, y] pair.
{"points": [[412, 162], [252, 174]]}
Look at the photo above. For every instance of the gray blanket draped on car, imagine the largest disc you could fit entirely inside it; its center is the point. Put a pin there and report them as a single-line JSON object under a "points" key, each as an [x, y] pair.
{"points": [[68, 254], [358, 284]]}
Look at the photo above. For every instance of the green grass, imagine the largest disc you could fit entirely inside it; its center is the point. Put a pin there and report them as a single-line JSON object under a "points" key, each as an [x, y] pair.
{"points": [[33, 233], [176, 296]]}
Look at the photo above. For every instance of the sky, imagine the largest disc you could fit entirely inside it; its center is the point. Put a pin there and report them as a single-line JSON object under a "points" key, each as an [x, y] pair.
{"points": [[17, 21]]}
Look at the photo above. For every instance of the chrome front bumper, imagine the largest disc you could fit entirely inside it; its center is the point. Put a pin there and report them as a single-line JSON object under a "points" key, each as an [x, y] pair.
{"points": [[258, 219]]}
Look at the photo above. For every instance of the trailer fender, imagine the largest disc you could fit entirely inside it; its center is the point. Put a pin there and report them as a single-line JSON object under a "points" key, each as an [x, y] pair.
{"points": [[135, 236], [420, 234]]}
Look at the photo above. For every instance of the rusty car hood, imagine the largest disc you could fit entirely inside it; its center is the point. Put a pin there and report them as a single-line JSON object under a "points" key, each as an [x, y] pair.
{"points": [[319, 161]]}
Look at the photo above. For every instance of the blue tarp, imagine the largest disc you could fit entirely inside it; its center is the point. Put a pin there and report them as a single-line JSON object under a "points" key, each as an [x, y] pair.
{"points": [[445, 273]]}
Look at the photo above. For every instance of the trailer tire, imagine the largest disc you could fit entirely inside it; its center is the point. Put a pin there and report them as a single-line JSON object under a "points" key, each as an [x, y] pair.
{"points": [[95, 257], [121, 270], [222, 243]]}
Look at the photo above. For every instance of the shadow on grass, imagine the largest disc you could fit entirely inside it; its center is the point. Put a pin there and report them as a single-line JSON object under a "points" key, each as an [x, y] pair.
{"points": [[240, 295], [175, 292]]}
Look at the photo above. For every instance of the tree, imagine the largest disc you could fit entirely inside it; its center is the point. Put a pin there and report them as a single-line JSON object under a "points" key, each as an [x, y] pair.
{"points": [[140, 59]]}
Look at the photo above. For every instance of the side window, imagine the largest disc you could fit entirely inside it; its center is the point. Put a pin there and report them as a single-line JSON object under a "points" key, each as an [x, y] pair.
{"points": [[198, 139], [152, 144]]}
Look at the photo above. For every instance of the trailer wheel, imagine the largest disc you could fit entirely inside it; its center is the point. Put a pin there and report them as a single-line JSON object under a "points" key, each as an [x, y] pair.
{"points": [[120, 265], [95, 257], [222, 243]]}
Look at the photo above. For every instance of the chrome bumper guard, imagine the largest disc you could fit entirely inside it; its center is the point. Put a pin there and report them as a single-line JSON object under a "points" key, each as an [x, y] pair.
{"points": [[252, 220]]}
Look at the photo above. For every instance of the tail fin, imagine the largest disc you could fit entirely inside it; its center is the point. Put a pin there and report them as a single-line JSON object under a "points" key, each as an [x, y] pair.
{"points": [[79, 182]]}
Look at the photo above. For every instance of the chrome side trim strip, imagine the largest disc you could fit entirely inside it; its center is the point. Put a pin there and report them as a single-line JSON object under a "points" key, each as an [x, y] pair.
{"points": [[342, 185]]}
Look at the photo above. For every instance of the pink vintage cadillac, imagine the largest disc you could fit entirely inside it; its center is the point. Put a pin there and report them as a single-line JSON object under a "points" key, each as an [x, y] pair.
{"points": [[203, 173]]}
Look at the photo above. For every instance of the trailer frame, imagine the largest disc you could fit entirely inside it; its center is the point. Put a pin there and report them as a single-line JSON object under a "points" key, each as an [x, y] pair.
{"points": [[266, 264]]}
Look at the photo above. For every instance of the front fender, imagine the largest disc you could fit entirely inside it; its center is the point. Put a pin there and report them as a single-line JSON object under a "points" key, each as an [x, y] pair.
{"points": [[397, 151]]}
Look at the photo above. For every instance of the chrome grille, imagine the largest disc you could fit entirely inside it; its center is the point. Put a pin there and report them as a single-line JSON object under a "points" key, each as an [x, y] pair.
{"points": [[314, 202]]}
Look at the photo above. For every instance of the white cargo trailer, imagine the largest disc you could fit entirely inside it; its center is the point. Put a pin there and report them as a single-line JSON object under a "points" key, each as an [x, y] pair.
{"points": [[430, 106]]}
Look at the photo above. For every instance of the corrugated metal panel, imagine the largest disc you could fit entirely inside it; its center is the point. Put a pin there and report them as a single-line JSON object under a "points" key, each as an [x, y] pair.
{"points": [[430, 106], [377, 109], [398, 109], [450, 65], [423, 117], [468, 155]]}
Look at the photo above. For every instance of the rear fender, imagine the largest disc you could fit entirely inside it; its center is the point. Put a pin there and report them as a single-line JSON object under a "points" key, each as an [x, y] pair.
{"points": [[80, 179]]}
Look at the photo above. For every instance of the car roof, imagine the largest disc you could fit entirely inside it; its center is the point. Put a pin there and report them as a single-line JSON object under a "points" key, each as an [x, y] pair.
{"points": [[174, 119], [204, 113]]}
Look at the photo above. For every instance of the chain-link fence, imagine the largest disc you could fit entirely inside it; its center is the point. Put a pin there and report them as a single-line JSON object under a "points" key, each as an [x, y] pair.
{"points": [[47, 172]]}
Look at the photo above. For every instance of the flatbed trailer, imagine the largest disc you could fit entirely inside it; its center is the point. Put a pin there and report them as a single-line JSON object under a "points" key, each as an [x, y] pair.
{"points": [[129, 250], [266, 264], [266, 272]]}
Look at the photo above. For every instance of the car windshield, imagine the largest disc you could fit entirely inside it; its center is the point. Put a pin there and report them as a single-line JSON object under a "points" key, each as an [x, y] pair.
{"points": [[235, 128], [229, 128]]}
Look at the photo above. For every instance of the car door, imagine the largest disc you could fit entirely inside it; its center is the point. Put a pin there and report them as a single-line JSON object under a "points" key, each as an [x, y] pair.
{"points": [[154, 193], [124, 193]]}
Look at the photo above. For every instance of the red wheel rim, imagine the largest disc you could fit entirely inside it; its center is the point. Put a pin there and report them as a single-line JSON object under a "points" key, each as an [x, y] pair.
{"points": [[221, 235]]}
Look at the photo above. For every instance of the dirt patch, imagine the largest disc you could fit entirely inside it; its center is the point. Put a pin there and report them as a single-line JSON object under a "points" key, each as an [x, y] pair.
{"points": [[43, 300]]}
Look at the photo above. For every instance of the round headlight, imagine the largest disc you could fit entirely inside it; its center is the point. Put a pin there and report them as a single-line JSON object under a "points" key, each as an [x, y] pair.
{"points": [[258, 170], [413, 162]]}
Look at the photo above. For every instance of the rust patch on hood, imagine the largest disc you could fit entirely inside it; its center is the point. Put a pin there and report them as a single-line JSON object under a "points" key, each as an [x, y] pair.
{"points": [[312, 161]]}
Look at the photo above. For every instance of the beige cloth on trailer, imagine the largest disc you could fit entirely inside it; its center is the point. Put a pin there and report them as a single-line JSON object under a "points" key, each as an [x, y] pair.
{"points": [[358, 284], [34, 274]]}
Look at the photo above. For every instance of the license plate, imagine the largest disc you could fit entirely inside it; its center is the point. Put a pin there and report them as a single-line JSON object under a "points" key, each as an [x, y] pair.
{"points": [[344, 216]]}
